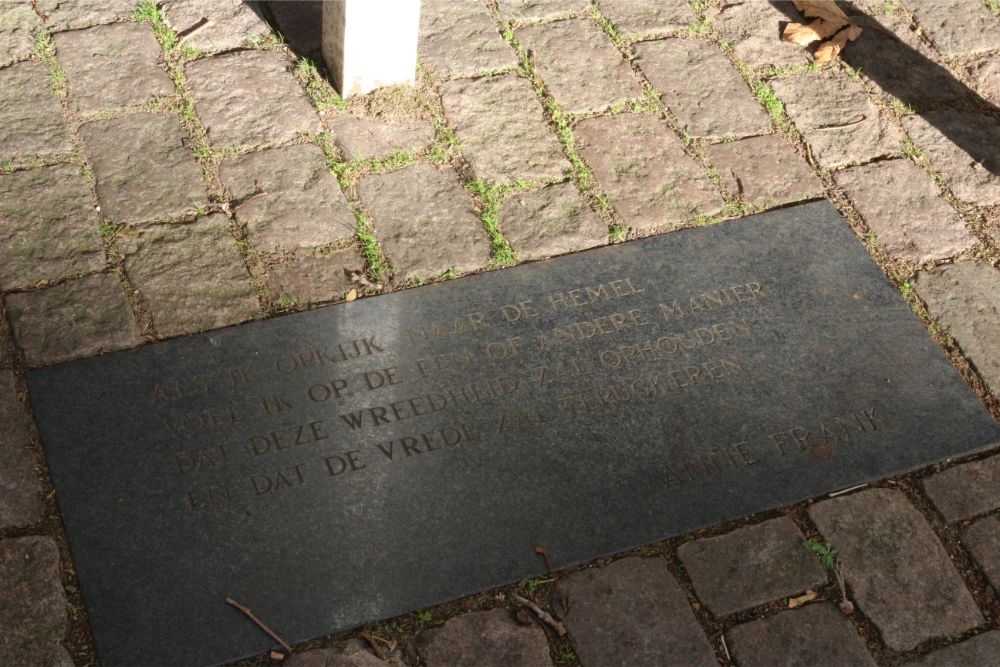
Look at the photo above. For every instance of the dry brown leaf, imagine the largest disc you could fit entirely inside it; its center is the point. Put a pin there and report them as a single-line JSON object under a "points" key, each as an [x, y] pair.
{"points": [[806, 34], [831, 49], [822, 9], [808, 596], [352, 295]]}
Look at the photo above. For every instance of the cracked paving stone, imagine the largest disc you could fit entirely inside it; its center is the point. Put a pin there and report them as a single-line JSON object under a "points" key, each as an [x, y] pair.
{"points": [[190, 276], [750, 566], [72, 14], [817, 634], [31, 117], [764, 170], [901, 577], [143, 168], [647, 18], [642, 168], [965, 299], [485, 639], [752, 30], [982, 539], [632, 612], [540, 10], [961, 147], [366, 138], [112, 65], [979, 651], [579, 65], [836, 117], [502, 128], [425, 222], [929, 230], [48, 226], [966, 490], [551, 221], [78, 318], [250, 98], [351, 653], [18, 25], [959, 27], [20, 490], [287, 198], [692, 76], [316, 278], [32, 603], [460, 38], [231, 23]]}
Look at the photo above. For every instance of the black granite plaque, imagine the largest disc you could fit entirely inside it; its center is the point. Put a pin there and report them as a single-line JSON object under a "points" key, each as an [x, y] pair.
{"points": [[355, 462]]}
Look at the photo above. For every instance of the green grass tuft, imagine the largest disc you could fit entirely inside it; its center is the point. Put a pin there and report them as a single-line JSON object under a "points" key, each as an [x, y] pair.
{"points": [[147, 12]]}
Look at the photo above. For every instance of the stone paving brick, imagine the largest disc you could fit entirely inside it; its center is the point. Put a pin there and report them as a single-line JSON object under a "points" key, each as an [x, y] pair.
{"points": [[540, 10], [351, 654], [20, 490], [836, 118], [143, 167], [31, 117], [231, 23], [503, 131], [959, 27], [982, 538], [901, 64], [313, 279], [48, 226], [287, 198], [929, 229], [460, 38], [551, 221], [752, 30], [899, 574], [580, 66], [191, 277], [78, 318], [985, 73], [642, 168], [301, 24], [72, 14], [965, 299], [18, 24], [966, 490], [750, 566], [817, 634], [486, 639], [425, 221], [250, 98], [647, 18], [365, 138], [112, 66], [979, 651], [693, 75], [961, 147], [32, 603], [632, 612], [764, 170]]}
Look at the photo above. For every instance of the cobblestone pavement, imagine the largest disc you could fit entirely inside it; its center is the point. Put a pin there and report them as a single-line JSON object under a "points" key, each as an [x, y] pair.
{"points": [[153, 186]]}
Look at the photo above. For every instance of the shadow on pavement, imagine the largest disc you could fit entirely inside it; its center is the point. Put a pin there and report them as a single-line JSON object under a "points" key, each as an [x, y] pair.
{"points": [[301, 24], [921, 83]]}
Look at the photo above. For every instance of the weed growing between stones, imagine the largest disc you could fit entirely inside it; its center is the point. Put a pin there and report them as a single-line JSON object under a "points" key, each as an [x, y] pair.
{"points": [[370, 249], [320, 92], [488, 197], [147, 12], [46, 53]]}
